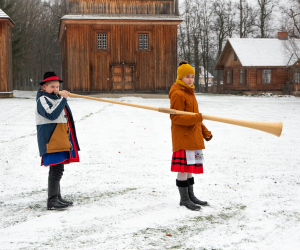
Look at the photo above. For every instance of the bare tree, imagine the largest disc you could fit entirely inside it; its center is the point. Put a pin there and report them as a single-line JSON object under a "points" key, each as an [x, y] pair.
{"points": [[291, 24], [223, 27], [185, 39], [196, 39], [247, 18], [291, 15], [204, 28], [265, 10], [35, 45]]}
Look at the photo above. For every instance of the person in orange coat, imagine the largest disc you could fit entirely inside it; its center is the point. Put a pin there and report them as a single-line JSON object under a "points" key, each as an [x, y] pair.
{"points": [[188, 134]]}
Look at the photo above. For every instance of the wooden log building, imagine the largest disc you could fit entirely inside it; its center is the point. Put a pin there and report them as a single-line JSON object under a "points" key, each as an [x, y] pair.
{"points": [[119, 45], [6, 76], [260, 65]]}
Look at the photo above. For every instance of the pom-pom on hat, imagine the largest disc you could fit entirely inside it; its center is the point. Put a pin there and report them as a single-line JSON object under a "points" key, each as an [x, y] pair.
{"points": [[184, 69], [50, 76]]}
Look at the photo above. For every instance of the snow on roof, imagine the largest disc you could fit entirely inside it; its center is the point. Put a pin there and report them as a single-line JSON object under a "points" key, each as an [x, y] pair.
{"points": [[122, 16], [263, 51], [201, 73], [3, 14]]}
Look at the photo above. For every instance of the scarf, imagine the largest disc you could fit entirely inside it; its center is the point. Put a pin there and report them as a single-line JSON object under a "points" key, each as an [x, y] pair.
{"points": [[184, 84]]}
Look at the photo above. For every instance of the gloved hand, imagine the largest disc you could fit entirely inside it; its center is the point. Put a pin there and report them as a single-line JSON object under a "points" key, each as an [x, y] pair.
{"points": [[209, 138]]}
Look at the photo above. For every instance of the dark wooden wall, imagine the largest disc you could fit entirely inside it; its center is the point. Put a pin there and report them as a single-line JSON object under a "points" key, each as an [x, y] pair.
{"points": [[87, 69], [121, 6], [6, 81], [253, 76]]}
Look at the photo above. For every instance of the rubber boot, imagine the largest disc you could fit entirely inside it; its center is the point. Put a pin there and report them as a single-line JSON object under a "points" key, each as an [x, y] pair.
{"points": [[69, 203], [191, 193], [184, 196], [53, 202]]}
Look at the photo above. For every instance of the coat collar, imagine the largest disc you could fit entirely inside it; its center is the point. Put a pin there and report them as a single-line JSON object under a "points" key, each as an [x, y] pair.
{"points": [[183, 88], [49, 95]]}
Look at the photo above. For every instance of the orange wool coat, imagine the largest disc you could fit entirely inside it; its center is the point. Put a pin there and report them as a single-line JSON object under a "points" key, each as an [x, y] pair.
{"points": [[188, 131]]}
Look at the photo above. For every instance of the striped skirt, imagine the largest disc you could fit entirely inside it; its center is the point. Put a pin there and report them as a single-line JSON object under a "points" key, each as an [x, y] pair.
{"points": [[179, 164]]}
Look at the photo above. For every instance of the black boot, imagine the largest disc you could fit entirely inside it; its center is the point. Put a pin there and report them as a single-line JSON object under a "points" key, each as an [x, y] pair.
{"points": [[53, 202], [184, 196], [69, 203], [191, 193]]}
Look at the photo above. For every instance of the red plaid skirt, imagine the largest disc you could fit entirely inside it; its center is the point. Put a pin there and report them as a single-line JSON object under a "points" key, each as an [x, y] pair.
{"points": [[179, 164]]}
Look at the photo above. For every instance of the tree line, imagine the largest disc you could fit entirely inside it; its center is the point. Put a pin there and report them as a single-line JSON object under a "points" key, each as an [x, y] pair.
{"points": [[206, 26], [35, 46], [209, 23]]}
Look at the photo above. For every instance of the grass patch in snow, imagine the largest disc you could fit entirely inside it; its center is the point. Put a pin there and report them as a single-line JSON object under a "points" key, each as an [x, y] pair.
{"points": [[86, 116], [90, 114], [95, 196], [21, 137]]}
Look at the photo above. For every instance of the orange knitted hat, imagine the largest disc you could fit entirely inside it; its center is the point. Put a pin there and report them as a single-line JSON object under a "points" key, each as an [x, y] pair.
{"points": [[184, 69]]}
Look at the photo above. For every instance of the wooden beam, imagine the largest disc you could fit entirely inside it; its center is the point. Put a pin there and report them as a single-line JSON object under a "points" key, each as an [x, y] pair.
{"points": [[64, 22]]}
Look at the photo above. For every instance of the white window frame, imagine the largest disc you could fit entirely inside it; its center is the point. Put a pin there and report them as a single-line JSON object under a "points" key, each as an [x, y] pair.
{"points": [[297, 76], [228, 77], [267, 76], [242, 76]]}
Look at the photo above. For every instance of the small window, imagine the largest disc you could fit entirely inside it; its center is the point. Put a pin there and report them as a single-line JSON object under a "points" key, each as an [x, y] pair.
{"points": [[242, 76], [143, 41], [228, 77], [297, 76], [266, 76], [235, 57], [102, 41]]}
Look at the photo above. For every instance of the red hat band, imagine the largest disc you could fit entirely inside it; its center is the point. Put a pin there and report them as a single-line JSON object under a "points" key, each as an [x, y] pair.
{"points": [[52, 78]]}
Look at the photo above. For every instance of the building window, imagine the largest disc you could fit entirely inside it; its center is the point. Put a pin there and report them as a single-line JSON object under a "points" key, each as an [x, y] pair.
{"points": [[266, 76], [143, 41], [228, 77], [297, 76], [242, 72], [235, 57], [102, 41]]}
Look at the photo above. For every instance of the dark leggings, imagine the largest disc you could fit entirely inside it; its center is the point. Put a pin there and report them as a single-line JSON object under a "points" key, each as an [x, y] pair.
{"points": [[56, 172]]}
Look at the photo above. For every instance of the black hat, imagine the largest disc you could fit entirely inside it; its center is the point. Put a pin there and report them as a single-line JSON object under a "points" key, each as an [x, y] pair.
{"points": [[50, 76]]}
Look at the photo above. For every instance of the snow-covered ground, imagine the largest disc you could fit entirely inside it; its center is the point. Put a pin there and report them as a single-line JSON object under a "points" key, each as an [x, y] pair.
{"points": [[124, 193]]}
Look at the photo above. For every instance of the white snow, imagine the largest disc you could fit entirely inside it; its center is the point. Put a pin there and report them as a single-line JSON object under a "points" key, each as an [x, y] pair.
{"points": [[122, 16], [4, 15], [263, 51], [124, 193], [201, 74]]}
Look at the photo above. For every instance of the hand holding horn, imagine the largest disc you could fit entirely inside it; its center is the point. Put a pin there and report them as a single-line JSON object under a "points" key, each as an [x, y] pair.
{"points": [[64, 93]]}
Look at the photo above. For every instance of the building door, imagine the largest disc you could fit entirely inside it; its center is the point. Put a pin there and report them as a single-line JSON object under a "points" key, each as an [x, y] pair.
{"points": [[123, 77]]}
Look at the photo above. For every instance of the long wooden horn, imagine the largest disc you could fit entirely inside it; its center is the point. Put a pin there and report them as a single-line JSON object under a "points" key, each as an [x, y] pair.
{"points": [[274, 128]]}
